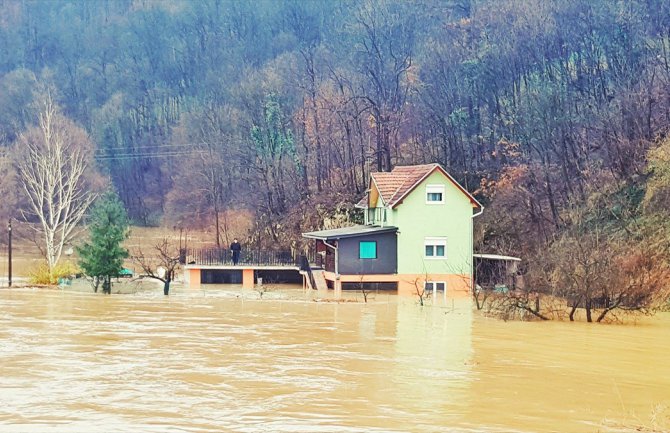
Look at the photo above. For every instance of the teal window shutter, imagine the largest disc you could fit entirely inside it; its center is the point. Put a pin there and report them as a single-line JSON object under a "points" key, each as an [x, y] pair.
{"points": [[367, 250]]}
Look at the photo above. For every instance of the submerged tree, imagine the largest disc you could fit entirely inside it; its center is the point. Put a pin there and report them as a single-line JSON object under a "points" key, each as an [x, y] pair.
{"points": [[600, 274], [610, 258], [102, 257], [163, 265]]}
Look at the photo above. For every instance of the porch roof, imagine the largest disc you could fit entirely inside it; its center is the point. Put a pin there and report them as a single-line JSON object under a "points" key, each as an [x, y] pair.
{"points": [[349, 232]]}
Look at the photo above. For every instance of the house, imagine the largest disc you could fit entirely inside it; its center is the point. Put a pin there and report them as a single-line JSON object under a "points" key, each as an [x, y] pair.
{"points": [[417, 235]]}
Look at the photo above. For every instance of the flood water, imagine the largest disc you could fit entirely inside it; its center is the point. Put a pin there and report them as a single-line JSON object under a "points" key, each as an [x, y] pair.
{"points": [[209, 361]]}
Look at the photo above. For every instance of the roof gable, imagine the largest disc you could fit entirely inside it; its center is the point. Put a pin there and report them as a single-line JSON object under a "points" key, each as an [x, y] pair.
{"points": [[394, 186], [374, 196]]}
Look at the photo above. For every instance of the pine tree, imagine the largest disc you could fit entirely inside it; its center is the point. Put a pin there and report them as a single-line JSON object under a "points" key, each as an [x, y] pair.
{"points": [[102, 257]]}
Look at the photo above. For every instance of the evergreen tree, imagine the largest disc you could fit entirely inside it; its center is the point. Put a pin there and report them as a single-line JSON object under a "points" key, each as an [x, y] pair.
{"points": [[102, 257]]}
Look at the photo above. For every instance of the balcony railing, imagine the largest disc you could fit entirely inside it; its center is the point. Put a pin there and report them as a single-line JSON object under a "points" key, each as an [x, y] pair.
{"points": [[223, 256]]}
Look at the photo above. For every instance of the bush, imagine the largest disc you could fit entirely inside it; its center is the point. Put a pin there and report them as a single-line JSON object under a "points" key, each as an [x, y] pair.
{"points": [[61, 270]]}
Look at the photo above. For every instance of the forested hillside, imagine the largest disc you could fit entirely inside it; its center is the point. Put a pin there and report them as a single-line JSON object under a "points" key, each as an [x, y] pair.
{"points": [[549, 109]]}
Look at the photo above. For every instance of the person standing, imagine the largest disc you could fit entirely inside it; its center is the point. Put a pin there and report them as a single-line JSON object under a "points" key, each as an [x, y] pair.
{"points": [[235, 247]]}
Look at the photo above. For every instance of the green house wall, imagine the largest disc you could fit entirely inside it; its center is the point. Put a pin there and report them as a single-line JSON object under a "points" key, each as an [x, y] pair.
{"points": [[417, 220]]}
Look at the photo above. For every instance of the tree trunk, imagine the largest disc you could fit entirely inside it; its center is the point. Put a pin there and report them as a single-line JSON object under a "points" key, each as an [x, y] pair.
{"points": [[216, 223], [166, 287], [475, 296], [317, 133], [106, 285], [573, 309], [602, 315], [607, 310]]}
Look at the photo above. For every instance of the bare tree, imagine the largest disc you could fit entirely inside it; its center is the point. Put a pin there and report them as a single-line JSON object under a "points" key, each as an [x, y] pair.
{"points": [[385, 53], [8, 188], [52, 160], [208, 171], [162, 265], [602, 274], [420, 289], [363, 287], [508, 305], [480, 295]]}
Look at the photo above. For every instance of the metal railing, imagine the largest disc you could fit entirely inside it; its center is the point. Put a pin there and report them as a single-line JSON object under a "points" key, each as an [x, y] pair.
{"points": [[224, 256]]}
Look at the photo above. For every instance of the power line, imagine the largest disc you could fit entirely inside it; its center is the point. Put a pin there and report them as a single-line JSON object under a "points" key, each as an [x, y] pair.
{"points": [[143, 148], [127, 156]]}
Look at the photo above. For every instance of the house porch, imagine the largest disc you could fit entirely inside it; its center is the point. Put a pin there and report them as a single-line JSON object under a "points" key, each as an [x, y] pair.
{"points": [[216, 266]]}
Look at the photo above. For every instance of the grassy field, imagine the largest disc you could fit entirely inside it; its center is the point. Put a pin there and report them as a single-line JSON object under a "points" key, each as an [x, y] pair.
{"points": [[26, 256]]}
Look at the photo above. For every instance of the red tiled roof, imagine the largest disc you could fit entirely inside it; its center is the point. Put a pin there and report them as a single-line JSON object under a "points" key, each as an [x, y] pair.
{"points": [[395, 185], [387, 184], [363, 202], [413, 174]]}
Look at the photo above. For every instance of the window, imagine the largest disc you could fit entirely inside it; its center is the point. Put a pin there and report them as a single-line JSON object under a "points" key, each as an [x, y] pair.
{"points": [[367, 250], [371, 215], [376, 215], [434, 194], [436, 248], [435, 286]]}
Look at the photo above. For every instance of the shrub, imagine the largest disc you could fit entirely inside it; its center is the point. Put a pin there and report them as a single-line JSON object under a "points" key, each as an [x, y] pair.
{"points": [[61, 270]]}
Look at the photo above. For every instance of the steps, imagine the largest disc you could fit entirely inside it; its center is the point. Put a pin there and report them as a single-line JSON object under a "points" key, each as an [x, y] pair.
{"points": [[319, 279], [315, 278]]}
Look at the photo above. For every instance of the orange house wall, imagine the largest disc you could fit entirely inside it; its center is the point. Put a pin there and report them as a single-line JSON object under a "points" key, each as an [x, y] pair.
{"points": [[247, 278], [195, 282], [194, 278], [458, 285]]}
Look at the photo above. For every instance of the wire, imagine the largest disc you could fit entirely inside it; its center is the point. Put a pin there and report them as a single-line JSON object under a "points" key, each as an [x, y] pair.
{"points": [[156, 146], [126, 156]]}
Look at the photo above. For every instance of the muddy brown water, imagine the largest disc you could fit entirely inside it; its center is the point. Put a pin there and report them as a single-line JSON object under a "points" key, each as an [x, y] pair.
{"points": [[211, 361]]}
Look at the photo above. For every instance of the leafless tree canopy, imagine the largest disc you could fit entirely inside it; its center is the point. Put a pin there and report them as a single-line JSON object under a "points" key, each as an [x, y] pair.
{"points": [[52, 160], [161, 263]]}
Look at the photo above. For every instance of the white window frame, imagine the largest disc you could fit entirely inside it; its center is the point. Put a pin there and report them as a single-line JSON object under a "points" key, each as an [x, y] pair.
{"points": [[434, 242], [435, 189], [432, 286]]}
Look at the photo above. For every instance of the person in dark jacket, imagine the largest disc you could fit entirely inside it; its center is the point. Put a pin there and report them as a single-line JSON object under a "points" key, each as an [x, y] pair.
{"points": [[235, 247]]}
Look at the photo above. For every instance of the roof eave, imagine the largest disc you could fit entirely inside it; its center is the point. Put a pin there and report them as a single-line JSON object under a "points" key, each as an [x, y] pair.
{"points": [[313, 235], [379, 193], [473, 200]]}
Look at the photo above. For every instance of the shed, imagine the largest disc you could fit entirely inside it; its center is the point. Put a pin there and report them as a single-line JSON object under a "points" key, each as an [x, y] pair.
{"points": [[496, 271]]}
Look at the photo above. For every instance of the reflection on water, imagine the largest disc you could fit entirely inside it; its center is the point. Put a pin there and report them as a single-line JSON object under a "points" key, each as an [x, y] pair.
{"points": [[211, 361]]}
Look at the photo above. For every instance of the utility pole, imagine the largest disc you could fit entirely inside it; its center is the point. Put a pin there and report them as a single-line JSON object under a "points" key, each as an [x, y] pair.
{"points": [[9, 235]]}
